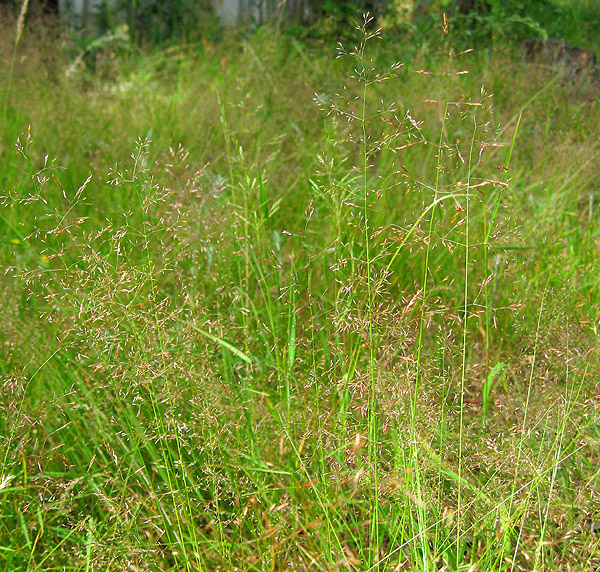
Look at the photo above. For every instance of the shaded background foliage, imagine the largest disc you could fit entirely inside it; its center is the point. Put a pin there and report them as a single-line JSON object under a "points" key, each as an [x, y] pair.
{"points": [[156, 22]]}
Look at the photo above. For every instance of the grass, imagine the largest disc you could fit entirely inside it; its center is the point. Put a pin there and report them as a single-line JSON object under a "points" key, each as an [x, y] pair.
{"points": [[274, 330]]}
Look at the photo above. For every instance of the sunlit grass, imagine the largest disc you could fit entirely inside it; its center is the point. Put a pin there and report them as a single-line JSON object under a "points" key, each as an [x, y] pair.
{"points": [[307, 313]]}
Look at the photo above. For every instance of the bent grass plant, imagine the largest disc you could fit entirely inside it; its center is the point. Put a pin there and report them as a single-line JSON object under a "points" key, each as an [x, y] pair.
{"points": [[18, 35], [205, 372]]}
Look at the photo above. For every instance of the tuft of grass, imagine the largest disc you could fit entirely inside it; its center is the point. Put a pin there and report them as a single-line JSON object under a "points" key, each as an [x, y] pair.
{"points": [[245, 334]]}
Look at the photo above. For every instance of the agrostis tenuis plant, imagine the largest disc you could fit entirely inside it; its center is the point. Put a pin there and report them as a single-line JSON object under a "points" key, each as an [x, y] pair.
{"points": [[289, 341]]}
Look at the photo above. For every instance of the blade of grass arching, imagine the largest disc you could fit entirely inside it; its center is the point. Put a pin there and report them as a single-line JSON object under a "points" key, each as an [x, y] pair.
{"points": [[414, 226], [487, 388], [248, 359]]}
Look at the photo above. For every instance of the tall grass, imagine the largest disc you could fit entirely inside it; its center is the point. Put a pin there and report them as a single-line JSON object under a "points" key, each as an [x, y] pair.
{"points": [[18, 35], [276, 337]]}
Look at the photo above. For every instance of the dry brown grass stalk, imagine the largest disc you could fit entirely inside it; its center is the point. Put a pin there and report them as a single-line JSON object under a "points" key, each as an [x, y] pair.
{"points": [[21, 22]]}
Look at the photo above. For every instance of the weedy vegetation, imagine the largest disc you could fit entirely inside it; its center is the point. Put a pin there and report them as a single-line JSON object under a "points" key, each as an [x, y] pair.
{"points": [[266, 308]]}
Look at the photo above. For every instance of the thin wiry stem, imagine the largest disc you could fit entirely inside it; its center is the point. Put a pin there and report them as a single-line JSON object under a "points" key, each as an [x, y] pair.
{"points": [[463, 376]]}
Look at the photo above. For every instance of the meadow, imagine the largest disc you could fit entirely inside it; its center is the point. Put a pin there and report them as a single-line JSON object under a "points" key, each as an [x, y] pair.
{"points": [[269, 303]]}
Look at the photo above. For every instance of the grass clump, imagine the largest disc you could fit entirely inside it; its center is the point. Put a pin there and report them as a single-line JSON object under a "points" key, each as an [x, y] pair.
{"points": [[267, 336]]}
